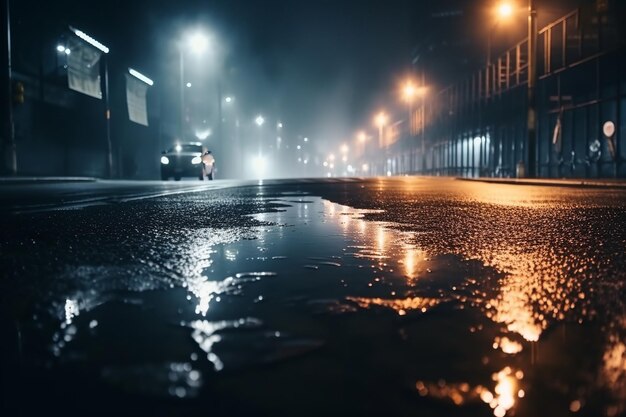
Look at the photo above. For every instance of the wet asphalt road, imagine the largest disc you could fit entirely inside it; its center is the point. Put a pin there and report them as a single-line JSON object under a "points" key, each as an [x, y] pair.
{"points": [[395, 297]]}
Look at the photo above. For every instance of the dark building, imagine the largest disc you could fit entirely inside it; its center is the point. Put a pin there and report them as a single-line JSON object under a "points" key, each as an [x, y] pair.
{"points": [[59, 131], [474, 120]]}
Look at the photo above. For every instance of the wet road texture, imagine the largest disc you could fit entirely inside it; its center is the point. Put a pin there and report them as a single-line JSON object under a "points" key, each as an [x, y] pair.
{"points": [[390, 297]]}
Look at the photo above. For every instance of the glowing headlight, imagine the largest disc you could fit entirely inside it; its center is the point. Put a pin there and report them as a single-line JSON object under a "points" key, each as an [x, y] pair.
{"points": [[165, 160], [196, 160]]}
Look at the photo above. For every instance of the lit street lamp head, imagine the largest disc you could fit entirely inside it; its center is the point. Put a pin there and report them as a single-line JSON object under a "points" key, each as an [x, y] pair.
{"points": [[198, 42], [381, 119], [259, 120], [504, 10], [409, 92]]}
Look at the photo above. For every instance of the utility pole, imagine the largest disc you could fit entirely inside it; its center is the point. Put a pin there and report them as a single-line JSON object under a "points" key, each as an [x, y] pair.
{"points": [[9, 156], [107, 113], [219, 139], [423, 126], [181, 69], [531, 145]]}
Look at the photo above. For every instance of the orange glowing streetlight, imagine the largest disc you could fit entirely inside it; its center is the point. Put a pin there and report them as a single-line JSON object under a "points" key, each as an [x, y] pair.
{"points": [[409, 91], [361, 136], [504, 10], [380, 120]]}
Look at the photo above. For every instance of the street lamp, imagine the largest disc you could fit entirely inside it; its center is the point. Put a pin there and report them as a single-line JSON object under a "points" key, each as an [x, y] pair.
{"points": [[532, 81], [259, 121], [380, 120], [505, 10], [502, 12], [197, 43]]}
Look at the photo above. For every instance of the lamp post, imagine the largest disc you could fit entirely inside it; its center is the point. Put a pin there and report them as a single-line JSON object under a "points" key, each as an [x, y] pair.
{"points": [[9, 157], [531, 146], [260, 120], [408, 94], [380, 120], [197, 44], [503, 11]]}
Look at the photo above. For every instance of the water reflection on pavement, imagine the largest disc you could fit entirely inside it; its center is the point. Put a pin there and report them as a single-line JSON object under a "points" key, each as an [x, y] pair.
{"points": [[319, 310]]}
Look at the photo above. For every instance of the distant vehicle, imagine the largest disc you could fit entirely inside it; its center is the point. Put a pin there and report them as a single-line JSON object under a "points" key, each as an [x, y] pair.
{"points": [[182, 160]]}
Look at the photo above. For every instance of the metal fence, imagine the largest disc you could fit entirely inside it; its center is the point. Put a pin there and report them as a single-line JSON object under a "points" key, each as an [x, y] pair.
{"points": [[477, 127]]}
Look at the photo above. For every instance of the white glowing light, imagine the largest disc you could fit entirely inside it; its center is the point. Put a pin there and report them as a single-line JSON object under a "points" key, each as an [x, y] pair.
{"points": [[90, 40], [188, 85], [165, 160], [259, 164], [71, 310], [280, 125], [178, 148], [299, 147], [196, 160], [198, 43], [306, 139], [60, 48], [259, 120], [140, 76], [203, 134], [228, 99]]}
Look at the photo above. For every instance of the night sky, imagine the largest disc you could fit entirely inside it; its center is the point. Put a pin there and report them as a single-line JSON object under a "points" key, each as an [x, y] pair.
{"points": [[322, 67]]}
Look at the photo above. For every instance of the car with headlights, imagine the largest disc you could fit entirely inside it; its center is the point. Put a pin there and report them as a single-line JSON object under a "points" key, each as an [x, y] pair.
{"points": [[182, 160]]}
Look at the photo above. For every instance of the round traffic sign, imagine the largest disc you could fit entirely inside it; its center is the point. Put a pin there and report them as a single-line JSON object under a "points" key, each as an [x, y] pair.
{"points": [[608, 129]]}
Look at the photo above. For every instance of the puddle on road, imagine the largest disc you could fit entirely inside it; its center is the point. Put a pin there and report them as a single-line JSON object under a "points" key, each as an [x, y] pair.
{"points": [[320, 298]]}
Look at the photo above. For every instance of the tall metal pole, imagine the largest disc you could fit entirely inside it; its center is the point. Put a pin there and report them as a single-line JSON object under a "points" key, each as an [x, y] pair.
{"points": [[487, 80], [9, 155], [108, 119], [422, 127], [531, 145], [219, 140], [409, 143], [182, 93]]}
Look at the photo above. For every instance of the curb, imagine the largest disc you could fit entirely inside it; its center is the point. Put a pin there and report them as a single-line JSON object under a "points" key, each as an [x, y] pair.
{"points": [[618, 185], [43, 180]]}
